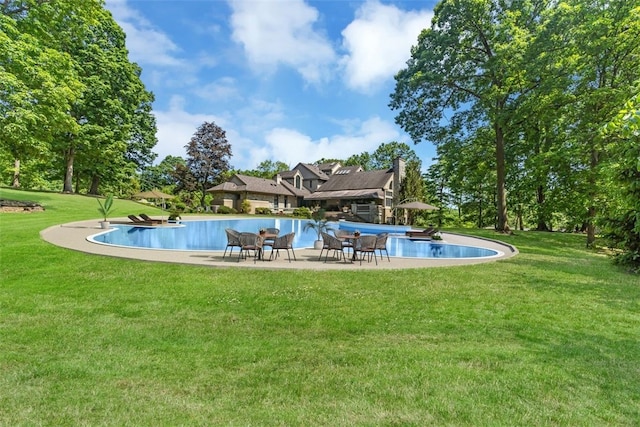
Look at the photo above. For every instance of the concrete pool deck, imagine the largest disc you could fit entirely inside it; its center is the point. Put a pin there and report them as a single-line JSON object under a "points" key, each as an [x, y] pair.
{"points": [[74, 236]]}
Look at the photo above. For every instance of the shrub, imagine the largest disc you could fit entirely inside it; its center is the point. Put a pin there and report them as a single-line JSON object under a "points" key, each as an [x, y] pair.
{"points": [[302, 212], [245, 207], [226, 210], [179, 206], [263, 211]]}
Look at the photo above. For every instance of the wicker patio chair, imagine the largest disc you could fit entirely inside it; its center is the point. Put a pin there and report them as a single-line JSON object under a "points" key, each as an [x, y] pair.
{"points": [[250, 242], [381, 244], [366, 247], [332, 243], [283, 242], [233, 241]]}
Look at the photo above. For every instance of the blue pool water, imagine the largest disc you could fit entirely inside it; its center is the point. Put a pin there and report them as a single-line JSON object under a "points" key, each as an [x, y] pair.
{"points": [[209, 235]]}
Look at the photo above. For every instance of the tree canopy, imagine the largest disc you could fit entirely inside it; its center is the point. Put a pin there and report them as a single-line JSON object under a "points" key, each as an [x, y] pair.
{"points": [[208, 154], [513, 95], [74, 101]]}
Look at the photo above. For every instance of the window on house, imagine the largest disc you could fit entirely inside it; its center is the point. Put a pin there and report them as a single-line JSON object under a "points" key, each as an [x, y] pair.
{"points": [[298, 182], [275, 202]]}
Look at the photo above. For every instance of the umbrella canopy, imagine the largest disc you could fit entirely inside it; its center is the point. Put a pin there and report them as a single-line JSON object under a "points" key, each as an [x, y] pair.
{"points": [[153, 194], [418, 206]]}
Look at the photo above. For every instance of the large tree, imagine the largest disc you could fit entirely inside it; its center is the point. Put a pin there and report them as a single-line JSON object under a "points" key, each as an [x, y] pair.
{"points": [[38, 85], [622, 220], [113, 102], [386, 153], [468, 63], [412, 187], [606, 44], [208, 154], [70, 93]]}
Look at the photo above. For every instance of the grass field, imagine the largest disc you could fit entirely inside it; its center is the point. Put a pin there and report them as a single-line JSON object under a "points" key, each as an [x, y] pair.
{"points": [[549, 337]]}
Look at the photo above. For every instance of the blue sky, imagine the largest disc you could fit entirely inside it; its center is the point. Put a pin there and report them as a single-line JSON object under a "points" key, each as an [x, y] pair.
{"points": [[288, 80]]}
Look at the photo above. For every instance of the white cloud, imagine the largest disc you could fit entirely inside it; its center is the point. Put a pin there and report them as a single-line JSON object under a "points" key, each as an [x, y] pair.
{"points": [[281, 32], [291, 146], [268, 141], [223, 89], [146, 44], [379, 43], [176, 127]]}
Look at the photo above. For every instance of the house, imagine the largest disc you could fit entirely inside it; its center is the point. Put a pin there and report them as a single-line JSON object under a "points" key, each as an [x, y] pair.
{"points": [[370, 195], [274, 194]]}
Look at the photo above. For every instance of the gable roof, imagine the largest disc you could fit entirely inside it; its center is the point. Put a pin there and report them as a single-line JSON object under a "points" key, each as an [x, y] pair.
{"points": [[289, 174], [309, 171], [243, 183]]}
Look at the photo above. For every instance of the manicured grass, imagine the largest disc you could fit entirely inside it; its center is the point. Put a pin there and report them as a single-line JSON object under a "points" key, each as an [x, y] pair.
{"points": [[549, 337]]}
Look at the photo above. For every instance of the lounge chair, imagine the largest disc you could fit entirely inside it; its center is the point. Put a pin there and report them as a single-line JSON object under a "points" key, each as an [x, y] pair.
{"points": [[367, 246], [331, 243], [138, 221], [250, 242], [152, 220], [283, 242], [233, 241], [422, 234], [381, 244]]}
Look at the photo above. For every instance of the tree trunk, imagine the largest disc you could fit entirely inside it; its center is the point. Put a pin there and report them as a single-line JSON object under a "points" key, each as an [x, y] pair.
{"points": [[540, 198], [16, 174], [95, 184], [68, 174], [480, 213], [591, 212], [502, 220]]}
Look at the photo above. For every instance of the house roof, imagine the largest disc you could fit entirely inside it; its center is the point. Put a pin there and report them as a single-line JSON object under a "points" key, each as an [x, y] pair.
{"points": [[348, 169], [370, 193], [329, 168], [289, 174], [353, 185], [307, 170], [300, 192], [251, 184], [357, 181]]}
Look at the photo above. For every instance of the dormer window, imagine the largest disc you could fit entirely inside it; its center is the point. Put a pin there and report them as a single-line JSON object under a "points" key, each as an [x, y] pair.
{"points": [[298, 182]]}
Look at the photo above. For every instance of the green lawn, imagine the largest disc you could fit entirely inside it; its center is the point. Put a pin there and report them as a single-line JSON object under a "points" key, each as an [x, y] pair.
{"points": [[549, 337]]}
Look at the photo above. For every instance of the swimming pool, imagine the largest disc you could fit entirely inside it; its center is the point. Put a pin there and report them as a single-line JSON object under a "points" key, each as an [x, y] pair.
{"points": [[209, 235], [373, 228]]}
